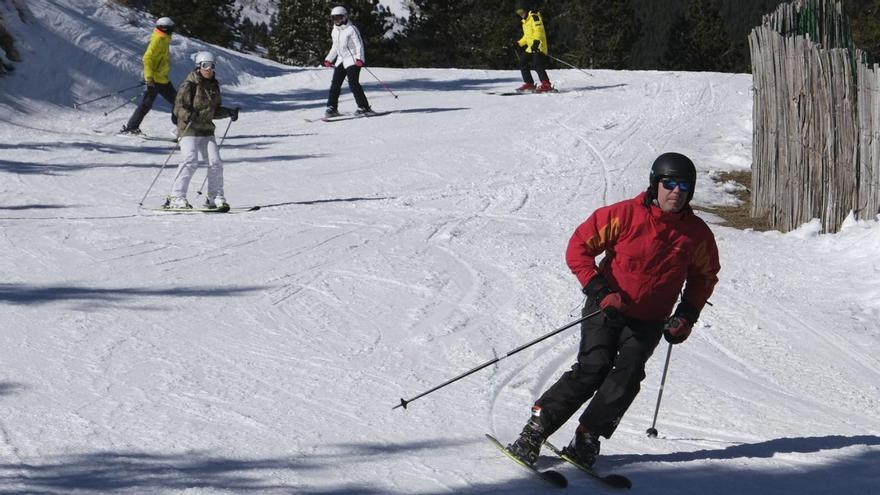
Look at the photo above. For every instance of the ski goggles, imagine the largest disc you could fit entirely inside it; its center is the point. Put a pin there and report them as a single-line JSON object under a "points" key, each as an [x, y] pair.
{"points": [[206, 65], [671, 184]]}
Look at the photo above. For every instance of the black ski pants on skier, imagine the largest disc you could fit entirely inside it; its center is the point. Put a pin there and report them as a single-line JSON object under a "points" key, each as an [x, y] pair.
{"points": [[353, 74], [610, 364], [536, 61], [149, 96]]}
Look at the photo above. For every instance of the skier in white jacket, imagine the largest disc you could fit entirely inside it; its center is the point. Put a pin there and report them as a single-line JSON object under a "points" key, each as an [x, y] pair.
{"points": [[347, 54]]}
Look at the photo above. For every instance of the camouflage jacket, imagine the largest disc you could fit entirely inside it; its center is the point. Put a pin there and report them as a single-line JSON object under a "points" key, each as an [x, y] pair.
{"points": [[197, 105]]}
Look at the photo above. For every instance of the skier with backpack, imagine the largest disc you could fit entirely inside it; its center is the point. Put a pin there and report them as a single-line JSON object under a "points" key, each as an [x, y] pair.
{"points": [[197, 104]]}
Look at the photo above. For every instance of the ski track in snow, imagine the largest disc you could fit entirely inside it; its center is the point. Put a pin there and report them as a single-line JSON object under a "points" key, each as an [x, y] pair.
{"points": [[262, 352]]}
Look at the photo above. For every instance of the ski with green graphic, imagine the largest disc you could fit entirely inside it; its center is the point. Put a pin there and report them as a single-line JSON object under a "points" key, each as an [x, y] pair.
{"points": [[553, 477]]}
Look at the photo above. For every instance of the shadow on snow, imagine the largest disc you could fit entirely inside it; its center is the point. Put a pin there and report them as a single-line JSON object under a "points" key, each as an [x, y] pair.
{"points": [[24, 294], [128, 471], [320, 201]]}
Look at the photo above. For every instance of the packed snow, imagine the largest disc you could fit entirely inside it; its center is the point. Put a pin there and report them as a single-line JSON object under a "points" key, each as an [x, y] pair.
{"points": [[262, 352]]}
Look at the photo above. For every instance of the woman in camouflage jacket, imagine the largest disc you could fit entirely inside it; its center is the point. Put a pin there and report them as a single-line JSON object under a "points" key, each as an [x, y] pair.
{"points": [[196, 106]]}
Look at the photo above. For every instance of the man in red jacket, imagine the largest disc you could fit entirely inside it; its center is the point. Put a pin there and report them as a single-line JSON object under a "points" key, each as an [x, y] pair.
{"points": [[654, 245]]}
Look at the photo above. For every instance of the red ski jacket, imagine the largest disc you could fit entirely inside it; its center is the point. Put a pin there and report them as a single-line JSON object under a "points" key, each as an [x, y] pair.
{"points": [[649, 255]]}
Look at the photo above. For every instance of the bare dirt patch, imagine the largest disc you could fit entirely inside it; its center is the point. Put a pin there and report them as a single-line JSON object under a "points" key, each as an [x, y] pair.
{"points": [[739, 217]]}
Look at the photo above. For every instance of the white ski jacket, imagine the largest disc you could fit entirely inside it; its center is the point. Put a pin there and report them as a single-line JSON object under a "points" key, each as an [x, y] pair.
{"points": [[347, 45]]}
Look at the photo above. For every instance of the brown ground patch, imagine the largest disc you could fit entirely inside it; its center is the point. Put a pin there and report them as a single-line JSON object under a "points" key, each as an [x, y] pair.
{"points": [[739, 217]]}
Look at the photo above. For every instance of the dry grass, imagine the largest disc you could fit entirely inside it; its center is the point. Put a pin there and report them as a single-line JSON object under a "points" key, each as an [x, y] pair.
{"points": [[739, 217]]}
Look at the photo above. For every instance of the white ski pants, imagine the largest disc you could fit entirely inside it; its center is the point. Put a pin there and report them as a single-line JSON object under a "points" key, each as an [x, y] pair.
{"points": [[190, 148]]}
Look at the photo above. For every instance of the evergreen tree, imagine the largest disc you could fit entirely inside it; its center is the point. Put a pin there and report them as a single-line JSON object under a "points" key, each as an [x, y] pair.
{"points": [[865, 16], [460, 33], [698, 41], [301, 31], [595, 33], [213, 21], [253, 35]]}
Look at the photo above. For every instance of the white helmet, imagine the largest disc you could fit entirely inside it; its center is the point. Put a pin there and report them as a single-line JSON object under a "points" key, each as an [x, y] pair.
{"points": [[338, 11], [203, 57], [165, 22]]}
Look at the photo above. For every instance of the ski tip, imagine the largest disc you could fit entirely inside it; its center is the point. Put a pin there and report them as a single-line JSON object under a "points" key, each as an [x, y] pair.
{"points": [[617, 481], [555, 478]]}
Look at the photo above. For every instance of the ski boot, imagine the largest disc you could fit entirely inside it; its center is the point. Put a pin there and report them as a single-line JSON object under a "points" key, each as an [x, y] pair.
{"points": [[528, 445], [584, 447], [331, 112], [216, 202], [134, 131], [544, 87], [177, 203], [365, 111], [526, 88]]}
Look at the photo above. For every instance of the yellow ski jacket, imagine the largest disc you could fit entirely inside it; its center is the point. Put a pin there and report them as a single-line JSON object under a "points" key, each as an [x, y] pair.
{"points": [[157, 58], [533, 30]]}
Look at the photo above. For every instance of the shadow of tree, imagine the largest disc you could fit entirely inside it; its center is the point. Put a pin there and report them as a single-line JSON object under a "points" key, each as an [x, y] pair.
{"points": [[462, 84], [431, 110], [596, 88], [141, 472], [756, 450], [9, 388], [33, 207], [266, 136], [24, 294], [274, 158], [138, 472], [849, 472]]}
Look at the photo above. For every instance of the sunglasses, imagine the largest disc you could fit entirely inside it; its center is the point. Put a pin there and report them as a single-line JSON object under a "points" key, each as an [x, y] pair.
{"points": [[206, 65], [671, 184], [337, 17]]}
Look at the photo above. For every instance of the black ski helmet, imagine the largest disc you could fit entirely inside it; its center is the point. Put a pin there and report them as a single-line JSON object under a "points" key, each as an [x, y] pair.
{"points": [[673, 165]]}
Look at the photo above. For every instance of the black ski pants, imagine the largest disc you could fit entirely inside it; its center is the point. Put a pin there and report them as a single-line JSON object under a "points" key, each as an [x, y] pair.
{"points": [[536, 61], [149, 96], [353, 74], [610, 364]]}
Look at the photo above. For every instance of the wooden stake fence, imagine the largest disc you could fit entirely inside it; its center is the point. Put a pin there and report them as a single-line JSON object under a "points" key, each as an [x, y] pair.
{"points": [[816, 134]]}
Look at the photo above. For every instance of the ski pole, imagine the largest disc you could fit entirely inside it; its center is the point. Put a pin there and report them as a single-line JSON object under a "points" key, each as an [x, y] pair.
{"points": [[652, 432], [380, 82], [374, 75], [404, 403], [176, 145], [199, 192], [568, 64], [108, 95], [130, 100]]}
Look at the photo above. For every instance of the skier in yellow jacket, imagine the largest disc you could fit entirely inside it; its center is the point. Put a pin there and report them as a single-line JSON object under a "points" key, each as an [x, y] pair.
{"points": [[531, 49], [157, 65]]}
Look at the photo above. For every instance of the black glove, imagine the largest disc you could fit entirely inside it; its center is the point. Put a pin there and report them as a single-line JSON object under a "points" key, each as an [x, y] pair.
{"points": [[233, 113], [678, 327], [193, 116], [536, 45]]}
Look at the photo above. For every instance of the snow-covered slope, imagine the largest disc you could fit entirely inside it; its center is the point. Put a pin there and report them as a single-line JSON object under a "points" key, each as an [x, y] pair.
{"points": [[263, 352]]}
